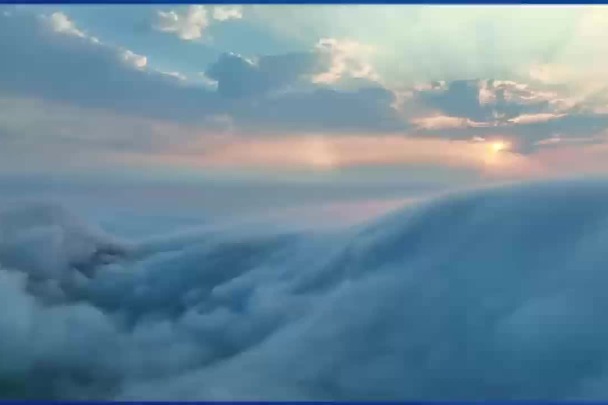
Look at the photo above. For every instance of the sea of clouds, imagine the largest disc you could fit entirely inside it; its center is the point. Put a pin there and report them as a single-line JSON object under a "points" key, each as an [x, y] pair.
{"points": [[489, 294]]}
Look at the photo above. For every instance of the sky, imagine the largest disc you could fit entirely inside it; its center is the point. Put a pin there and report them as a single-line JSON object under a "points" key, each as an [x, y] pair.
{"points": [[326, 97], [155, 160]]}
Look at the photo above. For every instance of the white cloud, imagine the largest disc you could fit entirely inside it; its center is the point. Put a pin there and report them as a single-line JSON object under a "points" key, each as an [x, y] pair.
{"points": [[175, 75], [486, 94], [207, 81], [189, 25], [131, 58], [61, 23], [223, 13], [192, 23], [348, 60]]}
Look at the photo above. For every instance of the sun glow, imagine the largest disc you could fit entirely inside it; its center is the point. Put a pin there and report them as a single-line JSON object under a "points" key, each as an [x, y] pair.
{"points": [[499, 146], [495, 154]]}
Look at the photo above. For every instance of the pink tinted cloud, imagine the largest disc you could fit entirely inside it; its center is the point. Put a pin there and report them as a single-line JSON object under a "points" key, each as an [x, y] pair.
{"points": [[535, 118], [574, 159], [439, 121]]}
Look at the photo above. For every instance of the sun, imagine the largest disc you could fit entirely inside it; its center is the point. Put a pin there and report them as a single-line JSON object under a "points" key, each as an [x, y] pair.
{"points": [[495, 152], [499, 146]]}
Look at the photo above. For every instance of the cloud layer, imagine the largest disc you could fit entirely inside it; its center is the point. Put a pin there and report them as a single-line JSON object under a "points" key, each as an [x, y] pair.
{"points": [[507, 304]]}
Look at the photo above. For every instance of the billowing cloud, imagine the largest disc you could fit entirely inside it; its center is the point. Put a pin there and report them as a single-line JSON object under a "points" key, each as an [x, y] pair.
{"points": [[224, 324]]}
